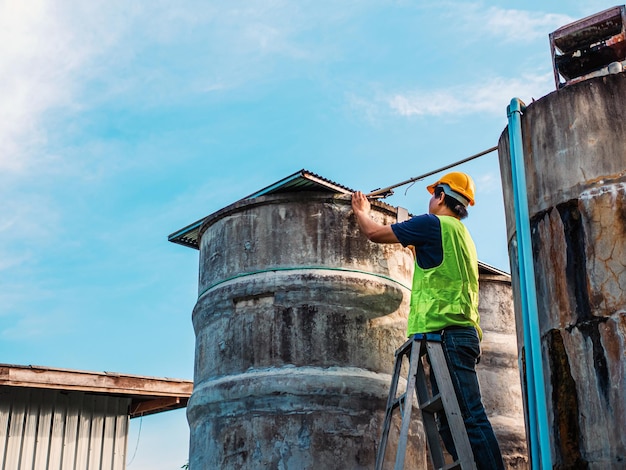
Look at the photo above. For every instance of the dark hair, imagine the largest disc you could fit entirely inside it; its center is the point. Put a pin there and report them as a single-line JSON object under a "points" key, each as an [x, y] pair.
{"points": [[455, 206]]}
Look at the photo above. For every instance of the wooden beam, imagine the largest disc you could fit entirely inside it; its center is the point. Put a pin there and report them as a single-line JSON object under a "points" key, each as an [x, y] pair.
{"points": [[157, 405], [94, 382]]}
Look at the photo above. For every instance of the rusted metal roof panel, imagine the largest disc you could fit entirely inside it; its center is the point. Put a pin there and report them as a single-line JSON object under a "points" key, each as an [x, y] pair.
{"points": [[585, 48], [590, 30], [300, 181]]}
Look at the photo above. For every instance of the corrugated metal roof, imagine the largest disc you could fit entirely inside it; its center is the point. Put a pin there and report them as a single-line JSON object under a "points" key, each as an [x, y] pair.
{"points": [[57, 419], [55, 430], [187, 236], [303, 180], [484, 268]]}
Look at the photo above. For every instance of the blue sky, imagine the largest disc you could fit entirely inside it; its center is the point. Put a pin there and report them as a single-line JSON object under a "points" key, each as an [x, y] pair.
{"points": [[122, 122]]}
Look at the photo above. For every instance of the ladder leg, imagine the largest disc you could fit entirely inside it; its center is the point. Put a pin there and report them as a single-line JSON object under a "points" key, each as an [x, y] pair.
{"points": [[382, 446], [450, 405], [414, 359], [444, 401]]}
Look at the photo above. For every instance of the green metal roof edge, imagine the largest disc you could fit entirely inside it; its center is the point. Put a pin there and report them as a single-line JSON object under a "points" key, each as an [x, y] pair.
{"points": [[187, 236]]}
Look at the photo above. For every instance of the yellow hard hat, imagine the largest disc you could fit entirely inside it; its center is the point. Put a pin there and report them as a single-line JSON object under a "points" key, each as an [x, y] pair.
{"points": [[460, 183]]}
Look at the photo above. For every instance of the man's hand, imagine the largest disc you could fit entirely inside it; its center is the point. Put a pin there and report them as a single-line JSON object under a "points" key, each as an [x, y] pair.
{"points": [[360, 203], [374, 231]]}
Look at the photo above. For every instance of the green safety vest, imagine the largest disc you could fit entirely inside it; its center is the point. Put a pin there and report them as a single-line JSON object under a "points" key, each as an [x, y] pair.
{"points": [[447, 295]]}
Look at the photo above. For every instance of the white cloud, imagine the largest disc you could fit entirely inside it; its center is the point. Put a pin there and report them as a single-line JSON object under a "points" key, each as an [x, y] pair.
{"points": [[366, 109], [519, 25], [511, 25], [27, 220], [433, 103], [489, 183], [34, 326], [44, 48], [50, 52], [70, 56], [491, 97]]}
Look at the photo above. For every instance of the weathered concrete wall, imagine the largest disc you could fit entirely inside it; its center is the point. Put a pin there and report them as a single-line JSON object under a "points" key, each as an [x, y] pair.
{"points": [[575, 157], [297, 322], [498, 371], [296, 326]]}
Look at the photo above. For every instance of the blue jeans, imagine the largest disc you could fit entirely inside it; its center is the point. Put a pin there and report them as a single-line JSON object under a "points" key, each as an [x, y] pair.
{"points": [[462, 350]]}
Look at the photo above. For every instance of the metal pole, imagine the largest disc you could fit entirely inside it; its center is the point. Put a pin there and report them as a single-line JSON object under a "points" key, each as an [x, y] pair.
{"points": [[384, 192]]}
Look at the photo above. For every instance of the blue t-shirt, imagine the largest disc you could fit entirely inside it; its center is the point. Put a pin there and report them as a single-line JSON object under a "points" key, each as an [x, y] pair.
{"points": [[424, 233]]}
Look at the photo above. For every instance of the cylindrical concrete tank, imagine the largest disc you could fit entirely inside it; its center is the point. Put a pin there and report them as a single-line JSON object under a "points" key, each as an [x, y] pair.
{"points": [[498, 371], [575, 157], [296, 324]]}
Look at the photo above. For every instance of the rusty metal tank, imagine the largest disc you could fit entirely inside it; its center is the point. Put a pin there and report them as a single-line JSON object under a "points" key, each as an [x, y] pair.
{"points": [[575, 160], [296, 323]]}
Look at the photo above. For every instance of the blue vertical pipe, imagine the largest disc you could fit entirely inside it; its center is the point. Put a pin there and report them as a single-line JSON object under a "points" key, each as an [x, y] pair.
{"points": [[516, 146], [539, 439]]}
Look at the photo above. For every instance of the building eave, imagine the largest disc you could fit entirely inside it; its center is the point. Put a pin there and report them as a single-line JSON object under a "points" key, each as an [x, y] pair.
{"points": [[148, 394]]}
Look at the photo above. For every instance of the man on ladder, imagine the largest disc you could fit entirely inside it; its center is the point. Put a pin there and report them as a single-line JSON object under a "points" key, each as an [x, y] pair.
{"points": [[444, 298]]}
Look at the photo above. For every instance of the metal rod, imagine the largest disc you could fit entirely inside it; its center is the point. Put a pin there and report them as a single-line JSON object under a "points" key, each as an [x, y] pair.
{"points": [[384, 192]]}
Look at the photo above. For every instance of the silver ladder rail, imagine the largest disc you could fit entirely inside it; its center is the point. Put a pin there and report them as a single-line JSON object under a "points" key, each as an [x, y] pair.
{"points": [[416, 349]]}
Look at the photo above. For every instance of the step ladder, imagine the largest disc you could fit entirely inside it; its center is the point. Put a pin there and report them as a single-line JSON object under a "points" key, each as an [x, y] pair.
{"points": [[416, 350]]}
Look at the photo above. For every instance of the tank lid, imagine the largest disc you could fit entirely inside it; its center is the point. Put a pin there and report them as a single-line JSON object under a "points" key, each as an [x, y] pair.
{"points": [[303, 180]]}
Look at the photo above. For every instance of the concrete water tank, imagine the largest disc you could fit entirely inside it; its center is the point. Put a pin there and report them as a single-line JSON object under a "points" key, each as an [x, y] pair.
{"points": [[575, 158], [297, 321], [498, 371]]}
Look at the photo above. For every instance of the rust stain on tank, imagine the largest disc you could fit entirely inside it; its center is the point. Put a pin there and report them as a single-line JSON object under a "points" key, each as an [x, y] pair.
{"points": [[564, 406], [564, 239], [575, 269]]}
